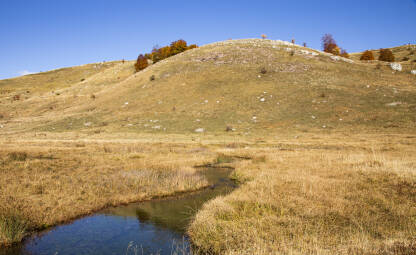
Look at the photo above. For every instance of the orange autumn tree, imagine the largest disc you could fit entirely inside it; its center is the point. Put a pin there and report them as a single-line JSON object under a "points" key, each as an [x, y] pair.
{"points": [[386, 55], [141, 63], [367, 55], [329, 45], [178, 46]]}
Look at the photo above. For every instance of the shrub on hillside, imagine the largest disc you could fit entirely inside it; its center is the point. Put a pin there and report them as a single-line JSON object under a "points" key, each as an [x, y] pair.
{"points": [[344, 54], [18, 156], [386, 55], [141, 63], [367, 55], [192, 46]]}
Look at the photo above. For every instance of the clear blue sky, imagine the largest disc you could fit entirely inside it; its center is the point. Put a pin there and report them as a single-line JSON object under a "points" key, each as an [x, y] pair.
{"points": [[39, 35]]}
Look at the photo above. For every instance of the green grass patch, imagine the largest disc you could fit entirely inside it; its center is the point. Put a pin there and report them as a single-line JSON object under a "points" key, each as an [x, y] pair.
{"points": [[18, 156], [221, 159]]}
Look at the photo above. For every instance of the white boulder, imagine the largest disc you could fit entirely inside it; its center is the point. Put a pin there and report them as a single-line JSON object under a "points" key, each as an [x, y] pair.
{"points": [[199, 130], [396, 66], [413, 72]]}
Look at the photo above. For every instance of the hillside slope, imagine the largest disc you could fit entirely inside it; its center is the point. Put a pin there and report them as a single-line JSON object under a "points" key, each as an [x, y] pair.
{"points": [[251, 86]]}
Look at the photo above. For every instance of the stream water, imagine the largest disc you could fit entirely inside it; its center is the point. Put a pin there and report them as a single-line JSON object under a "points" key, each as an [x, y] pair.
{"points": [[152, 227]]}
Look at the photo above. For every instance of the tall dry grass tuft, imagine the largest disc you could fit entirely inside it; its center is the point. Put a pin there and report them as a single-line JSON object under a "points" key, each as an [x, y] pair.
{"points": [[18, 156], [13, 227]]}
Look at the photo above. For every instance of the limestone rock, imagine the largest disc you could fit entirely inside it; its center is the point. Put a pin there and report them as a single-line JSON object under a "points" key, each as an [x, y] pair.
{"points": [[396, 66]]}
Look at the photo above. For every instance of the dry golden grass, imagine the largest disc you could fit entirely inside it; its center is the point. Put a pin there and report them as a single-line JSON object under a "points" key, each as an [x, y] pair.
{"points": [[323, 200], [308, 194]]}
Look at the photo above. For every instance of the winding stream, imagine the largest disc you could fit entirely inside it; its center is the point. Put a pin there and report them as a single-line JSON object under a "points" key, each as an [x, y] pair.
{"points": [[152, 227]]}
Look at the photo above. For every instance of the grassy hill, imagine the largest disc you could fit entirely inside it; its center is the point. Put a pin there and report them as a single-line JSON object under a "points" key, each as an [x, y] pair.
{"points": [[251, 86]]}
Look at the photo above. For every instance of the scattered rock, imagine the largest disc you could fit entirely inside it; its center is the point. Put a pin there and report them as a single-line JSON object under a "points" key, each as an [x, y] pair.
{"points": [[228, 129], [394, 104], [199, 130], [396, 66], [335, 58], [338, 58], [262, 99], [87, 124], [305, 52]]}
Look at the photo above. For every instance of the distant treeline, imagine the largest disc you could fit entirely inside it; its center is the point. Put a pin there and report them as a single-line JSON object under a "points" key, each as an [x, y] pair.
{"points": [[158, 53]]}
